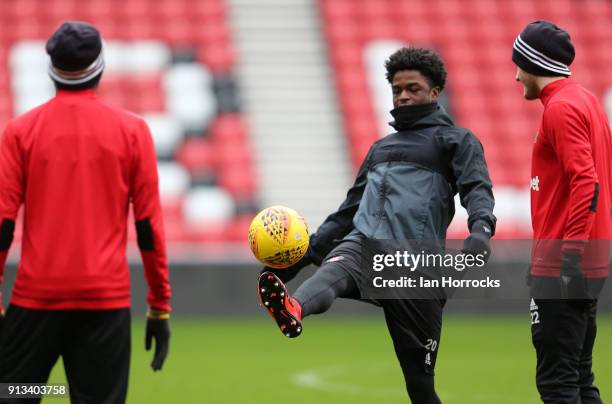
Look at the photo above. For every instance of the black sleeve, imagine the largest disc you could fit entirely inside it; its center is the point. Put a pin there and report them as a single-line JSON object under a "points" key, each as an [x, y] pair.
{"points": [[472, 177], [340, 223]]}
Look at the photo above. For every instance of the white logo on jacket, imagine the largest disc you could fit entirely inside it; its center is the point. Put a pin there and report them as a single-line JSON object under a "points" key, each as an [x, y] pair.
{"points": [[535, 183]]}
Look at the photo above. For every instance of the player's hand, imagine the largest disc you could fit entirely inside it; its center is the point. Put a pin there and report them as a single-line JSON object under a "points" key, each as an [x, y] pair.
{"points": [[286, 274], [158, 329], [573, 284], [479, 240]]}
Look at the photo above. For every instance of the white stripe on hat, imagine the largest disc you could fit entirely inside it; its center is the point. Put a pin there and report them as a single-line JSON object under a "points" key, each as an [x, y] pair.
{"points": [[524, 49], [539, 58], [83, 76], [540, 54]]}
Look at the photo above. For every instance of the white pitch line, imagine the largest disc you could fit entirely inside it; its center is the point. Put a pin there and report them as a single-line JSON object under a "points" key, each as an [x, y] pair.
{"points": [[322, 379]]}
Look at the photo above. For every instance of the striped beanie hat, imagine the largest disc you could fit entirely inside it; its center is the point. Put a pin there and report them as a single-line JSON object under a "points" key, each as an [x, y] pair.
{"points": [[544, 49], [76, 53]]}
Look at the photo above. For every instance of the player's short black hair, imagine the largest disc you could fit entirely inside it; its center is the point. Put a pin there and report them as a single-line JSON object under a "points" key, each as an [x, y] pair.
{"points": [[426, 61]]}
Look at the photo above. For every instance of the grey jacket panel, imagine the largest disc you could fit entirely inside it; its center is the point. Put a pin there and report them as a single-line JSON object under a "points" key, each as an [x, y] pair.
{"points": [[404, 202]]}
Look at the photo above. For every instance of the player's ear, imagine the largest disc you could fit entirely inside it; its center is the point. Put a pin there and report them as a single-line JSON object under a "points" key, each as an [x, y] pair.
{"points": [[434, 93]]}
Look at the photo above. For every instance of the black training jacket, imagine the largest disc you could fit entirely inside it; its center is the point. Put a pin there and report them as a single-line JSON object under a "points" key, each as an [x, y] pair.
{"points": [[406, 185]]}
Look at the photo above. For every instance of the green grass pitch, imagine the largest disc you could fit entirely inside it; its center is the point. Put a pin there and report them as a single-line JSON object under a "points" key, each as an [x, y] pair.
{"points": [[482, 359]]}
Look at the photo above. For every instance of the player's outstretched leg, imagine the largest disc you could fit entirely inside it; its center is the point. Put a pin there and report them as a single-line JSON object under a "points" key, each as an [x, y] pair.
{"points": [[285, 310], [316, 295]]}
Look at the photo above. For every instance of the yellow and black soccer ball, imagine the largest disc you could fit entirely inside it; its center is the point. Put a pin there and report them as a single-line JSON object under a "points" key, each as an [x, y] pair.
{"points": [[278, 237]]}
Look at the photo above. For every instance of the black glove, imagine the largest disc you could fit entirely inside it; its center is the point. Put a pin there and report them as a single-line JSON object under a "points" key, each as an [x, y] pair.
{"points": [[158, 329], [573, 285], [286, 274], [478, 242]]}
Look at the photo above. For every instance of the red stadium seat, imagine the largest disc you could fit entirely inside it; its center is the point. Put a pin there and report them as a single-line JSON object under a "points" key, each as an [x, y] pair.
{"points": [[597, 29], [170, 9], [411, 9], [238, 181], [211, 34], [352, 78], [204, 233], [6, 109], [140, 29], [95, 10], [197, 155], [135, 10], [60, 8], [591, 9], [445, 10], [108, 27], [238, 229], [418, 33], [232, 154], [458, 57], [347, 55], [554, 10], [228, 128], [177, 33], [337, 9], [379, 29], [22, 10], [217, 57], [523, 10], [356, 111], [209, 10], [374, 9], [346, 30], [481, 9]]}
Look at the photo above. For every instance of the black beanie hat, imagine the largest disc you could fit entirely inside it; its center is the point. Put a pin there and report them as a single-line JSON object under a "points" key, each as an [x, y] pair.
{"points": [[544, 49], [76, 53]]}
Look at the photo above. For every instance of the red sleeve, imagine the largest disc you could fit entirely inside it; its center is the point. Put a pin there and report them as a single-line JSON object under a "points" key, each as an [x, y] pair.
{"points": [[11, 191], [571, 140], [148, 217]]}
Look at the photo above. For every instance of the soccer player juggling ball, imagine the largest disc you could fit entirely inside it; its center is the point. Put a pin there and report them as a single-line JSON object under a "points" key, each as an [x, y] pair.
{"points": [[76, 164], [404, 190], [570, 211]]}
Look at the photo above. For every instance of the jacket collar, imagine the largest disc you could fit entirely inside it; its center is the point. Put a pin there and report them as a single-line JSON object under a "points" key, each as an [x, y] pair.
{"points": [[412, 116], [551, 88]]}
